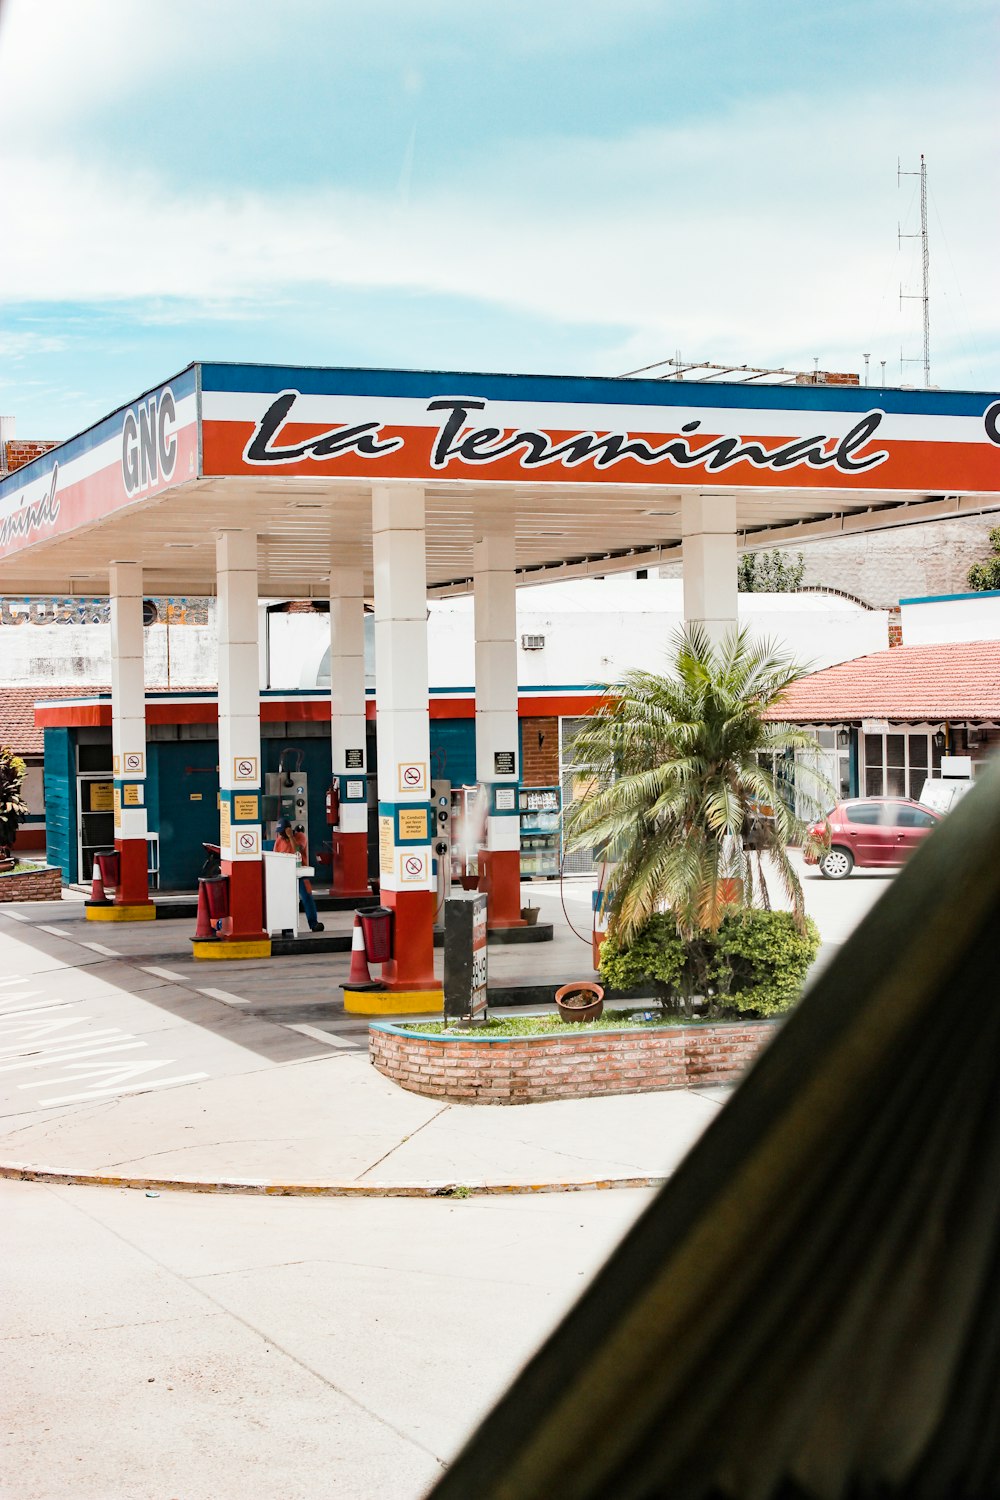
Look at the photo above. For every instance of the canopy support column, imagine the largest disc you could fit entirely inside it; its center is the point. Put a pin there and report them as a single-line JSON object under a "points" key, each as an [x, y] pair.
{"points": [[240, 829], [497, 748], [403, 730], [128, 749], [347, 733], [708, 528]]}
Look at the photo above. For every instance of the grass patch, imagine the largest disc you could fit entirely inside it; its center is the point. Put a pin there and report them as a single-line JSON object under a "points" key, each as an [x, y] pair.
{"points": [[22, 869], [611, 1020]]}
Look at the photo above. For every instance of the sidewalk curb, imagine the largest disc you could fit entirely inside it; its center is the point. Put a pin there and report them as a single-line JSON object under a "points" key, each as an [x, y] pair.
{"points": [[14, 1171]]}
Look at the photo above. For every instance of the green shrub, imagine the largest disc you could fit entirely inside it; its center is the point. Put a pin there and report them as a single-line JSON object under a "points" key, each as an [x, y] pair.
{"points": [[656, 954], [755, 964], [761, 960]]}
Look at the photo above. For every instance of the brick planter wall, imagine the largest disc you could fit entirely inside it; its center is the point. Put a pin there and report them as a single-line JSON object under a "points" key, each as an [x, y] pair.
{"points": [[32, 885], [525, 1070]]}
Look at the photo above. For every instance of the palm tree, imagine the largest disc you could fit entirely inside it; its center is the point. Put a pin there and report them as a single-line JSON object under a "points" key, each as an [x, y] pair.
{"points": [[680, 768]]}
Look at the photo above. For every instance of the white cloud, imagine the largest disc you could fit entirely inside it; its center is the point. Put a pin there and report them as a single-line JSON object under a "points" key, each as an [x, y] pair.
{"points": [[766, 236]]}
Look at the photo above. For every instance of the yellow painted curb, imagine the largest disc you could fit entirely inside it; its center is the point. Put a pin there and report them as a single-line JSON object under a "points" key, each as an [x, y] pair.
{"points": [[393, 1002], [349, 1189], [220, 948], [120, 913]]}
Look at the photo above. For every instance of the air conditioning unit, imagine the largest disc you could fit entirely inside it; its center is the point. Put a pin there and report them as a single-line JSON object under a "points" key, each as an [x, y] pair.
{"points": [[532, 642]]}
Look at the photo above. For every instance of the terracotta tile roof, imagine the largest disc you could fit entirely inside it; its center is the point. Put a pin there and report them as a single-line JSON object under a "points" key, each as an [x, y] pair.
{"points": [[17, 713], [959, 680]]}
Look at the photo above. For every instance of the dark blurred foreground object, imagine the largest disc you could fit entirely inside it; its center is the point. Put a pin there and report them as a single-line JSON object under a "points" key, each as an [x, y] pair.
{"points": [[810, 1308]]}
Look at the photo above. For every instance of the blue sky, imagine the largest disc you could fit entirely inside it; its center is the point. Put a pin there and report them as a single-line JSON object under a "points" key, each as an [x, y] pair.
{"points": [[543, 186]]}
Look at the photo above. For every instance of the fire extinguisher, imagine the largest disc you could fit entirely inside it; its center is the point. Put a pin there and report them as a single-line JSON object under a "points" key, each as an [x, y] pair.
{"points": [[333, 804]]}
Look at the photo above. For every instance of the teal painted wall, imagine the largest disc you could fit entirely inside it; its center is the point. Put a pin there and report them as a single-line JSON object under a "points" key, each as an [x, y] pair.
{"points": [[60, 801], [179, 771], [453, 751]]}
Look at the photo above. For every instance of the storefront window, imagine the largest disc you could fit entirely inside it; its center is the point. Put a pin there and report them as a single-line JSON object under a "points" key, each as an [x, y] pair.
{"points": [[896, 763]]}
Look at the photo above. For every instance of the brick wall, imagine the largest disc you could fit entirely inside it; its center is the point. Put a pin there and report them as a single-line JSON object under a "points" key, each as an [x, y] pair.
{"points": [[22, 451], [526, 1070], [540, 752], [34, 885]]}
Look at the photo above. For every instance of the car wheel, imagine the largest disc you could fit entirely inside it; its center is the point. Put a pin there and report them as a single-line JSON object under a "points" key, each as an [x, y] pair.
{"points": [[837, 864]]}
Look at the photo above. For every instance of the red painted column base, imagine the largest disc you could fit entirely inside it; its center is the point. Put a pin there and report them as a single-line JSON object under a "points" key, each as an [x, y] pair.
{"points": [[246, 900], [133, 887], [413, 966], [350, 865], [500, 878]]}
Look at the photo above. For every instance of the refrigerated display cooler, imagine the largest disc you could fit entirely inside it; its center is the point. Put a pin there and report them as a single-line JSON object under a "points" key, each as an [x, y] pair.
{"points": [[541, 808]]}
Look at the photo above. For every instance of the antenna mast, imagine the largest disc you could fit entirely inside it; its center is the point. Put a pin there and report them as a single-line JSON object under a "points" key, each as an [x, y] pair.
{"points": [[924, 297]]}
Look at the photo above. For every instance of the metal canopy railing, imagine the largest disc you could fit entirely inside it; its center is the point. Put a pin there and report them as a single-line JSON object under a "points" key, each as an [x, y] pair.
{"points": [[810, 1308]]}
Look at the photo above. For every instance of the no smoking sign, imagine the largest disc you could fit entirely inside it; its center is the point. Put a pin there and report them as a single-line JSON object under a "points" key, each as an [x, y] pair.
{"points": [[412, 776], [412, 867], [245, 768]]}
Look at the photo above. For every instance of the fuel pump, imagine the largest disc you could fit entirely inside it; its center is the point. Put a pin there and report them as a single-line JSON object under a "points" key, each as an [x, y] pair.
{"points": [[441, 844], [287, 790]]}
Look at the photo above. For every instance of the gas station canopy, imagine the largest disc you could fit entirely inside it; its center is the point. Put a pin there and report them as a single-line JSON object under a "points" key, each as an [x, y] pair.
{"points": [[592, 471]]}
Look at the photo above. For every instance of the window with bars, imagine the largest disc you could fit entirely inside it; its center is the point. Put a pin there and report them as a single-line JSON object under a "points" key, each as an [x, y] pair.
{"points": [[898, 761]]}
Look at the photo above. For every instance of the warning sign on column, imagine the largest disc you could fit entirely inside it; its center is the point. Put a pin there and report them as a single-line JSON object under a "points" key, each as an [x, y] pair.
{"points": [[386, 846], [412, 867], [413, 776]]}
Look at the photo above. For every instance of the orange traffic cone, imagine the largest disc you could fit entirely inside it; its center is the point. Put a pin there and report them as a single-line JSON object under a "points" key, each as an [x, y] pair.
{"points": [[206, 927], [97, 895], [360, 977]]}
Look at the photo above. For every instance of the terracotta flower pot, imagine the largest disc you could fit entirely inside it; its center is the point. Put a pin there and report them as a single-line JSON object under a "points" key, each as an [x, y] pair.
{"points": [[577, 990], [529, 914]]}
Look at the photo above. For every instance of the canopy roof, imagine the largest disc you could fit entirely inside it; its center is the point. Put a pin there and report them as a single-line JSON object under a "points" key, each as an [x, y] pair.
{"points": [[592, 471]]}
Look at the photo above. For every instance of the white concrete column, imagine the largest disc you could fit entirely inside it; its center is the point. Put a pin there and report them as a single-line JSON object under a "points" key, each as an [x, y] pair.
{"points": [[347, 731], [497, 749], [708, 528], [128, 739], [403, 731], [239, 738]]}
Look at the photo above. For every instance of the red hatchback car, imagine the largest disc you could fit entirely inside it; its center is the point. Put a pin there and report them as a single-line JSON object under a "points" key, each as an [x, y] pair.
{"points": [[870, 832]]}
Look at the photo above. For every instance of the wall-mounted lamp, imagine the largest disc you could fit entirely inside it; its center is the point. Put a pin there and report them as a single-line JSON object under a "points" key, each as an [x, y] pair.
{"points": [[940, 740], [843, 739]]}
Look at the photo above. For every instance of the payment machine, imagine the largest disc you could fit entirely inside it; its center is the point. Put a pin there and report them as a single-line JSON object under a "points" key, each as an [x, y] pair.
{"points": [[441, 844], [286, 795]]}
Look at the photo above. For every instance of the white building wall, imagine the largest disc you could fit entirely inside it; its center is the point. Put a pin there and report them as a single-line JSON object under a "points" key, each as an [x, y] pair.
{"points": [[594, 630], [69, 655], [963, 617]]}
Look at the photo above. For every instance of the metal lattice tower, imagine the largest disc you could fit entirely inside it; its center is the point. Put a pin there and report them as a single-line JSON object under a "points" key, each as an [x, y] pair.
{"points": [[924, 296]]}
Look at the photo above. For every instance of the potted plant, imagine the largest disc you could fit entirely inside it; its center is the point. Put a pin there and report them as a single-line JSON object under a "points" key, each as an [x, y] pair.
{"points": [[580, 1000], [529, 914]]}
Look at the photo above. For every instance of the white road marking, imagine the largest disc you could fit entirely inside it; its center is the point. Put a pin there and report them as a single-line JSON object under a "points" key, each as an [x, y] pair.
{"points": [[131, 1088], [163, 973], [55, 931], [69, 1056], [100, 948], [323, 1036], [222, 995], [14, 1004], [31, 1048], [17, 916], [31, 1031], [14, 978]]}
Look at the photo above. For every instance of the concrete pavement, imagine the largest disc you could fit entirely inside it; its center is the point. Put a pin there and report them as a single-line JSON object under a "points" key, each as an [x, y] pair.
{"points": [[121, 1056], [241, 1349]]}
